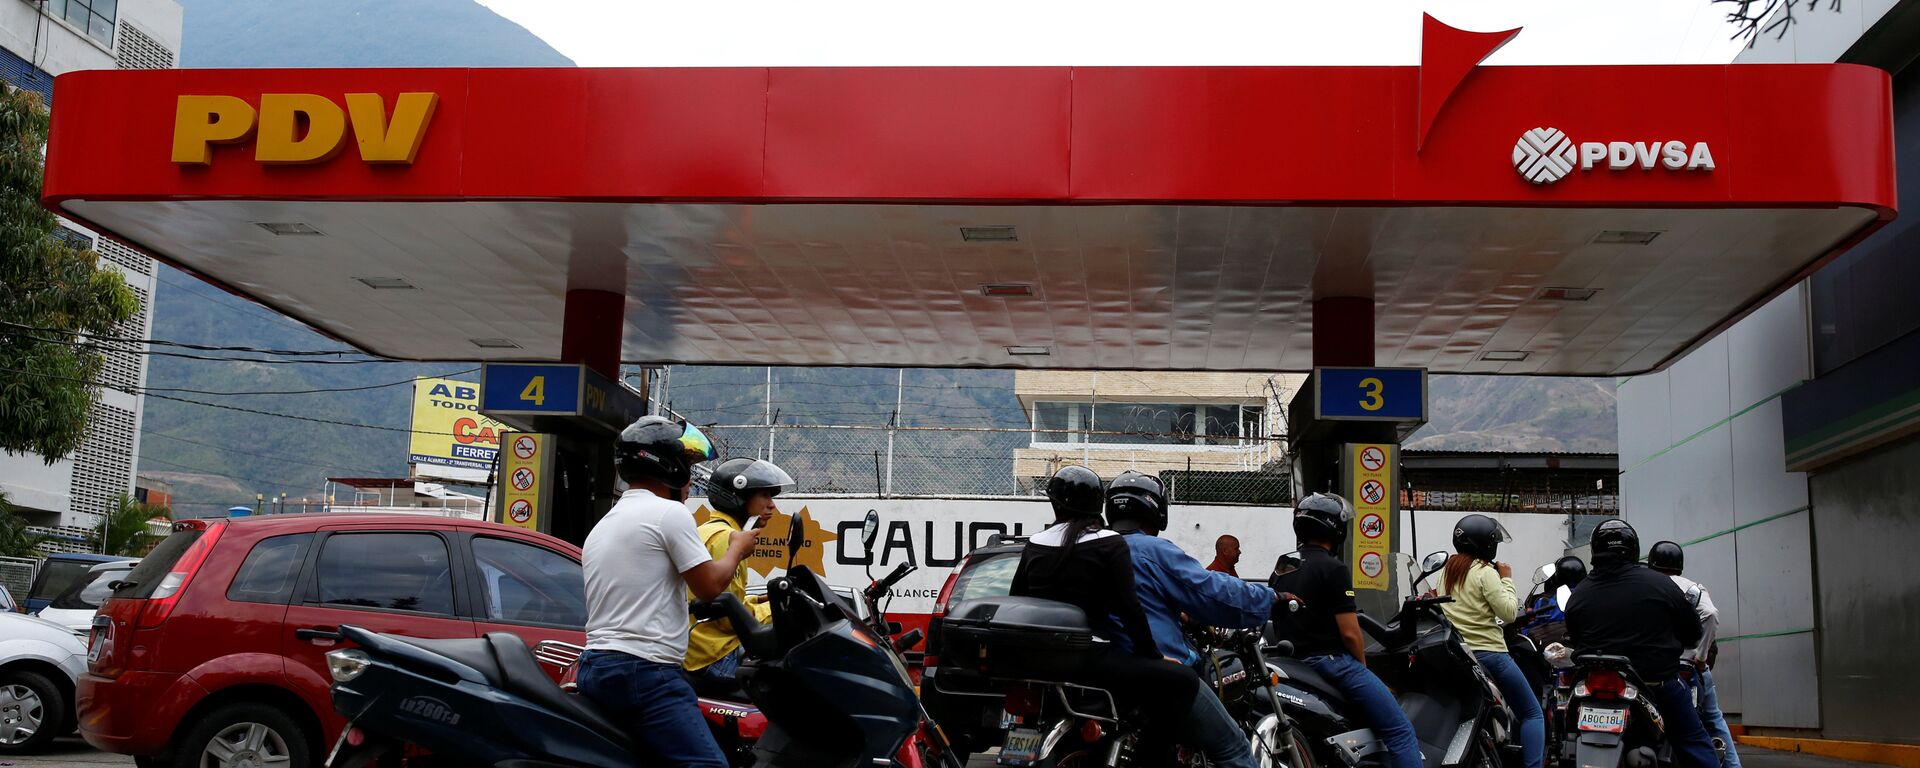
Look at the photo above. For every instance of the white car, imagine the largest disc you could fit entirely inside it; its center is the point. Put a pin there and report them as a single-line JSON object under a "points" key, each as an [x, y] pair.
{"points": [[74, 607], [40, 662]]}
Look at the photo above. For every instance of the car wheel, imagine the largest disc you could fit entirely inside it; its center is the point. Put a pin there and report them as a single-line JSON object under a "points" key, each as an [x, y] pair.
{"points": [[245, 736], [32, 712]]}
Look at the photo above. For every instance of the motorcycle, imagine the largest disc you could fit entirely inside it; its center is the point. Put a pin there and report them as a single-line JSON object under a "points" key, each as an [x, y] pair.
{"points": [[1237, 670], [1609, 722], [833, 692], [1456, 710], [1528, 639]]}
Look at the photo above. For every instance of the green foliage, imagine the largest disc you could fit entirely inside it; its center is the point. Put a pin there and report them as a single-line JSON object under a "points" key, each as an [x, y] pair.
{"points": [[15, 540], [45, 284], [124, 529]]}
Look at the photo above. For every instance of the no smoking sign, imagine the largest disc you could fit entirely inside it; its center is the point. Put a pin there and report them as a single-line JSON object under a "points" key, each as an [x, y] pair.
{"points": [[1372, 459], [525, 446]]}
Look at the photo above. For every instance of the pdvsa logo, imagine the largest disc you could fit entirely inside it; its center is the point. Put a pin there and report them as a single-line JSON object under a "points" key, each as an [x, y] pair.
{"points": [[1547, 155]]}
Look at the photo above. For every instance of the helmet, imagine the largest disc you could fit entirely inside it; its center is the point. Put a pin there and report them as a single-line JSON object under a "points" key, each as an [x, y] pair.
{"points": [[1136, 500], [656, 448], [1568, 572], [1075, 492], [738, 479], [1667, 557], [1615, 540], [1322, 516], [1479, 536]]}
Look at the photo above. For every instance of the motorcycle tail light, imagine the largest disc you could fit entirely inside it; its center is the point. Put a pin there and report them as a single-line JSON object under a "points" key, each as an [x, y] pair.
{"points": [[1606, 684], [1090, 731], [1023, 702]]}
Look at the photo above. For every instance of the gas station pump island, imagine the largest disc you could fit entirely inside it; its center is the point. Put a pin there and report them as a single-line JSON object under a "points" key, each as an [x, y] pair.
{"points": [[1370, 224]]}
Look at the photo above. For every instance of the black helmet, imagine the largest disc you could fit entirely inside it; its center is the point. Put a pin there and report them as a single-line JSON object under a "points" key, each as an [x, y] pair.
{"points": [[1615, 540], [1135, 501], [1322, 516], [1075, 492], [657, 448], [1479, 536], [737, 479], [1568, 572], [1667, 557]]}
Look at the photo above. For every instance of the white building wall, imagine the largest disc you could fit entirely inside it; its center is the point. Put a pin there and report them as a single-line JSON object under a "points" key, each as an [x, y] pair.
{"points": [[1702, 464], [71, 492]]}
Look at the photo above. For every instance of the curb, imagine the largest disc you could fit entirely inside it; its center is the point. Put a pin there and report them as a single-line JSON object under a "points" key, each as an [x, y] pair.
{"points": [[1903, 755]]}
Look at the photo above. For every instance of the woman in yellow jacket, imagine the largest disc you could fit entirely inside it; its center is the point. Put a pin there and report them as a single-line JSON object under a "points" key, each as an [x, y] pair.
{"points": [[1484, 602], [740, 492]]}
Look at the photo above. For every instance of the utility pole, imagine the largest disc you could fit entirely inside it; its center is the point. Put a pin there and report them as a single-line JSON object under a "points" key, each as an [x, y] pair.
{"points": [[769, 414], [899, 397]]}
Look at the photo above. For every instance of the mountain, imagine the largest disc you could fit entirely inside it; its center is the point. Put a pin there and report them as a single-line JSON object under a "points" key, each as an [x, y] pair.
{"points": [[218, 458], [356, 33], [1514, 413]]}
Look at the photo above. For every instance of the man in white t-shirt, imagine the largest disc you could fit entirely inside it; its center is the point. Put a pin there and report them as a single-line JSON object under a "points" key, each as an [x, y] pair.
{"points": [[640, 562], [1668, 558]]}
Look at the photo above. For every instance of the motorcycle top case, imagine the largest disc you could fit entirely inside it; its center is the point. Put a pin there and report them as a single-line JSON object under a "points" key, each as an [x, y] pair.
{"points": [[1024, 638]]}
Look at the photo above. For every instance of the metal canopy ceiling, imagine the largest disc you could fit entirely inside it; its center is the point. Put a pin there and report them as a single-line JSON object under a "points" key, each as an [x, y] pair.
{"points": [[1116, 287]]}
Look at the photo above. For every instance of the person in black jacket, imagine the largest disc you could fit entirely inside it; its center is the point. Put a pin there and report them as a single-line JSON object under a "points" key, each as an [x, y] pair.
{"points": [[1624, 608], [1077, 561]]}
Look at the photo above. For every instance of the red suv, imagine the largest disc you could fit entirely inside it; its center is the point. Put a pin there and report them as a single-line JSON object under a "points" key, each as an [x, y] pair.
{"points": [[212, 652]]}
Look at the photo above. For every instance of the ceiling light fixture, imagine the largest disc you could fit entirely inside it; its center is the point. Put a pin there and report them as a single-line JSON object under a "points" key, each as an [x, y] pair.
{"points": [[1006, 289], [386, 283], [1029, 351], [494, 343], [1505, 356], [1566, 294], [1625, 236], [287, 228], [994, 234]]}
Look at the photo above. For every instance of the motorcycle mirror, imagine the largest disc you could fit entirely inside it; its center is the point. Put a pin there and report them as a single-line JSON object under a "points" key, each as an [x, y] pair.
{"points": [[1541, 576], [796, 538], [870, 530], [1434, 562]]}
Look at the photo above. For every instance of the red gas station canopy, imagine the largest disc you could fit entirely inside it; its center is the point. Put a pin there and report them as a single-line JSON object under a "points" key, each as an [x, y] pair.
{"points": [[1164, 218]]}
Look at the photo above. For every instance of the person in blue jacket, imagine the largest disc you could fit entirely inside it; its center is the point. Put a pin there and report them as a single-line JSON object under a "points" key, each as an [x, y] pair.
{"points": [[1172, 583]]}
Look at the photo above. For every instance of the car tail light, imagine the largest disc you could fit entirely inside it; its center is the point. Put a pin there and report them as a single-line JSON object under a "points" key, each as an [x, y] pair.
{"points": [[1605, 684], [931, 658], [167, 593]]}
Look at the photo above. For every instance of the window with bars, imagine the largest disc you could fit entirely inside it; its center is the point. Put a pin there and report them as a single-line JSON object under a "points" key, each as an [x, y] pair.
{"points": [[103, 466], [1150, 424], [138, 50]]}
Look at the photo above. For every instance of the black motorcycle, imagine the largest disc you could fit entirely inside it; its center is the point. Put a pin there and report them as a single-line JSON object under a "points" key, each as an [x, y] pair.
{"points": [[835, 693], [1456, 710], [1609, 721]]}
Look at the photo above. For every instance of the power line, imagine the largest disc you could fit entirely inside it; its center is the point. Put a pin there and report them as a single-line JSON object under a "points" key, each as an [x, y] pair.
{"points": [[109, 347], [187, 345], [318, 391], [269, 456]]}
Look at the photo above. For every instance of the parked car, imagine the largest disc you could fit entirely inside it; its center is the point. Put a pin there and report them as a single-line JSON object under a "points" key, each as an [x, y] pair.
{"points": [[39, 664], [966, 705], [60, 571], [74, 607], [212, 651]]}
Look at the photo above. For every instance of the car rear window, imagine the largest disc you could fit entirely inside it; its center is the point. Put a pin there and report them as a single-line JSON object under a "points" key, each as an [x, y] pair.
{"points": [[90, 591], [991, 576], [145, 577], [57, 575], [269, 572]]}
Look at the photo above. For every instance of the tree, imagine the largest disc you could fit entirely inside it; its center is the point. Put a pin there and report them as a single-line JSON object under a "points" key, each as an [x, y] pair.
{"points": [[1753, 17], [15, 540], [52, 298], [123, 530]]}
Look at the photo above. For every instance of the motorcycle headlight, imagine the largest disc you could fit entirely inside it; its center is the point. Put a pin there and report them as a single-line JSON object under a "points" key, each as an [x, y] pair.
{"points": [[345, 665]]}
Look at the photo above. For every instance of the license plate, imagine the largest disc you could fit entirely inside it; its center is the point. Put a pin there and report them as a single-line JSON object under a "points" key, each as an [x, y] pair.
{"points": [[1021, 747], [102, 627], [1600, 720]]}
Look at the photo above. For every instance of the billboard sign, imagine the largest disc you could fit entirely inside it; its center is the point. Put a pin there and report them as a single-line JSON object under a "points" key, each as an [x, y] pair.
{"points": [[448, 431]]}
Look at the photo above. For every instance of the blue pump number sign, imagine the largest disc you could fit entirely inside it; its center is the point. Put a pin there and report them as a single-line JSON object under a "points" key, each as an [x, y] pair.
{"points": [[1370, 394]]}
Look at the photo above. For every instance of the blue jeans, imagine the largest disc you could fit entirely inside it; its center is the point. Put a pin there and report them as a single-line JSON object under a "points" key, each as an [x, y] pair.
{"points": [[1522, 699], [1715, 722], [724, 670], [1691, 747], [654, 704], [1377, 706], [1214, 731]]}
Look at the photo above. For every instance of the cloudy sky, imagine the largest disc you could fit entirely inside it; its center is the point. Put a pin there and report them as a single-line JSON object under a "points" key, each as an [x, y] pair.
{"points": [[634, 33]]}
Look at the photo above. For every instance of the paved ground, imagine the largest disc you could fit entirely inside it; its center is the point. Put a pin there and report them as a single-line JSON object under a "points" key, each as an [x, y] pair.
{"points": [[73, 753]]}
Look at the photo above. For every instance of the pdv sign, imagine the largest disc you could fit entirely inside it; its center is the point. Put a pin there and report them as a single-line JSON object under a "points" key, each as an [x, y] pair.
{"points": [[1547, 155]]}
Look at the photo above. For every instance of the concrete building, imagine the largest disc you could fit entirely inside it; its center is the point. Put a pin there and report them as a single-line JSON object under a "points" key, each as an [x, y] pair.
{"points": [[1781, 452], [1113, 421], [39, 40]]}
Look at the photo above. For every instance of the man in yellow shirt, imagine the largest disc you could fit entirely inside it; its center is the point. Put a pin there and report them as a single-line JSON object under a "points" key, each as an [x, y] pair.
{"points": [[740, 493]]}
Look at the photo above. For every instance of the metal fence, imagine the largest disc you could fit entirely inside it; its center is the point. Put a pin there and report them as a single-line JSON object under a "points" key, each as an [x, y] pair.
{"points": [[981, 461], [16, 574]]}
